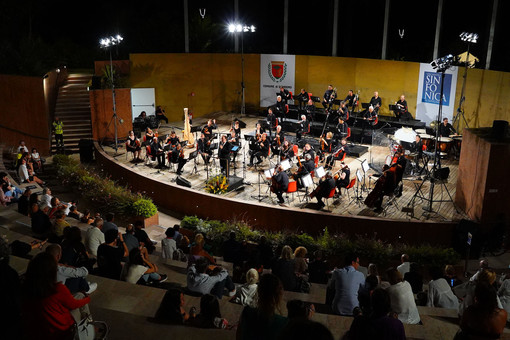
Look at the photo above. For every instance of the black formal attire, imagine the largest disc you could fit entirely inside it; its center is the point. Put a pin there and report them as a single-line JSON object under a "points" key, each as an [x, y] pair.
{"points": [[204, 150], [306, 168], [207, 131], [446, 130], [341, 130], [343, 112], [160, 115], [418, 150], [283, 184], [176, 158], [234, 141], [237, 132], [286, 96], [376, 103], [131, 145], [349, 100], [280, 110], [337, 154], [286, 153], [224, 155], [303, 98], [325, 187], [311, 152], [271, 121], [401, 109], [158, 153], [310, 112], [343, 182], [261, 149], [171, 142], [304, 126], [277, 142], [326, 98]]}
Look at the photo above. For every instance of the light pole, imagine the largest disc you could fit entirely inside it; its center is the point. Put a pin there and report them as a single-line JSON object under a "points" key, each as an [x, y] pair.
{"points": [[236, 28], [107, 43], [470, 38]]}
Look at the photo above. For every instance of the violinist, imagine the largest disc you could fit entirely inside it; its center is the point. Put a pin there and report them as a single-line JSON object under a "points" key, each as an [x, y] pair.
{"points": [[207, 129], [176, 156], [133, 145], [236, 128], [304, 126], [260, 149], [308, 149], [286, 152], [304, 168], [233, 140], [342, 179], [341, 128], [303, 98], [204, 148], [157, 152], [326, 184], [326, 143], [343, 111], [280, 183], [259, 130], [171, 141], [149, 134], [337, 154], [224, 155], [277, 141]]}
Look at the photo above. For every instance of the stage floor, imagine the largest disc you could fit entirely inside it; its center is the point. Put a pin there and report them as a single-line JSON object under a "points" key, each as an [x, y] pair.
{"points": [[255, 187]]}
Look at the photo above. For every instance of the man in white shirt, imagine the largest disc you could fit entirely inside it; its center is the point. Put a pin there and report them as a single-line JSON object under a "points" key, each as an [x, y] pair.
{"points": [[95, 236], [405, 266], [46, 197]]}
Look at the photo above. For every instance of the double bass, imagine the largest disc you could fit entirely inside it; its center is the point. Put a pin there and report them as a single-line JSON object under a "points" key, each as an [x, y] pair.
{"points": [[275, 186]]}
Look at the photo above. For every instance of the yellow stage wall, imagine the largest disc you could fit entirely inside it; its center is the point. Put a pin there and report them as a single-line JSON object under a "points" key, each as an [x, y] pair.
{"points": [[215, 79]]}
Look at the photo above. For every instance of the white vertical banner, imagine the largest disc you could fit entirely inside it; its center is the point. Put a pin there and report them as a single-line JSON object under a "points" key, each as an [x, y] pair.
{"points": [[429, 92], [276, 70]]}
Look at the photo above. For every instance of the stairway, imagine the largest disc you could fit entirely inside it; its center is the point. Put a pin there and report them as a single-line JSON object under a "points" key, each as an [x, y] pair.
{"points": [[73, 109]]}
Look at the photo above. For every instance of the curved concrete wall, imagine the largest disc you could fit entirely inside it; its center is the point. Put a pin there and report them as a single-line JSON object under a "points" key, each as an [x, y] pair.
{"points": [[187, 201]]}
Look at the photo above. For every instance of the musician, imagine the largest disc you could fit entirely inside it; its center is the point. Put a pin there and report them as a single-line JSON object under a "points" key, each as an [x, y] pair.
{"points": [[259, 130], [143, 118], [417, 149], [326, 184], [387, 183], [369, 118], [279, 109], [277, 141], [310, 110], [341, 129], [343, 110], [286, 152], [233, 140], [305, 167], [326, 143], [157, 152], [176, 156], [376, 101], [327, 96], [203, 147], [133, 145], [280, 183], [303, 98], [350, 98], [337, 154], [331, 101], [149, 134], [261, 149], [401, 108], [304, 126], [308, 149], [343, 179], [224, 154], [446, 129], [285, 94], [237, 129], [207, 129], [271, 119], [160, 114], [171, 141]]}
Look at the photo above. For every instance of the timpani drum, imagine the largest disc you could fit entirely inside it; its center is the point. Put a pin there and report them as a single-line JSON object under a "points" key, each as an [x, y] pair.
{"points": [[444, 145], [421, 131], [457, 141], [427, 140]]}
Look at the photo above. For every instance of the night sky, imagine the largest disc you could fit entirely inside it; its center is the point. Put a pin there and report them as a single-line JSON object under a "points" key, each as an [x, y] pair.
{"points": [[158, 27]]}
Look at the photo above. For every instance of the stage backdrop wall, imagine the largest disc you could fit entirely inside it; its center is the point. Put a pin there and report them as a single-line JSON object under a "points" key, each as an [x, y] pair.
{"points": [[216, 81], [101, 110]]}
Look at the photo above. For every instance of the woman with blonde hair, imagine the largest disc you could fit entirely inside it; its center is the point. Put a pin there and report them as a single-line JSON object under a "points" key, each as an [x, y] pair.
{"points": [[247, 293], [301, 263], [402, 298], [197, 248], [284, 269]]}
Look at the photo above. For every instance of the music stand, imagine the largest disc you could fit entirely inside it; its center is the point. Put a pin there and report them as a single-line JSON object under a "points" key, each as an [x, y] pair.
{"points": [[359, 192], [260, 197], [365, 166], [307, 182], [320, 172], [285, 164], [193, 156]]}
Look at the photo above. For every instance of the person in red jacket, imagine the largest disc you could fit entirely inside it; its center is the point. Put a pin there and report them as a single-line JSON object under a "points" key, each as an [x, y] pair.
{"points": [[47, 304]]}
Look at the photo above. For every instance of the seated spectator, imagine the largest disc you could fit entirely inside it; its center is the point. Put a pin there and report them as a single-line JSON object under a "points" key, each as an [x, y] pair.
{"points": [[74, 278], [284, 269], [440, 293], [197, 248], [74, 213], [365, 292], [47, 303], [168, 244], [200, 280], [110, 255], [171, 310], [32, 178], [5, 200], [484, 264], [307, 329], [177, 235], [346, 282], [24, 202], [95, 236], [210, 315], [374, 271], [483, 319], [300, 260], [130, 239], [264, 252], [380, 323], [142, 236], [402, 298], [318, 268], [414, 278], [404, 267], [487, 276], [246, 293], [46, 197], [232, 249], [23, 171], [451, 276], [74, 252], [87, 217], [9, 189], [299, 311], [60, 224], [41, 224], [139, 270], [36, 159], [56, 205], [504, 293], [109, 223], [262, 322], [32, 199], [10, 295], [22, 147]]}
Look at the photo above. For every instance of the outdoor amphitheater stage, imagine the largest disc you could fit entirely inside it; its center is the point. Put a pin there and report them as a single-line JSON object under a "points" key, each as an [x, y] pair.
{"points": [[250, 183]]}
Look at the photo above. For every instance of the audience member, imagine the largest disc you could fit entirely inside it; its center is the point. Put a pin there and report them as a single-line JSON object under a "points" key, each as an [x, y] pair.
{"points": [[372, 270], [210, 315], [299, 311], [450, 276], [139, 270], [109, 223], [215, 281], [46, 196], [130, 239], [301, 264], [402, 298], [197, 248], [37, 160], [87, 217], [306, 330], [504, 293], [74, 252], [232, 249], [177, 235], [440, 293], [318, 268], [284, 268], [95, 236], [365, 292], [60, 224], [74, 213], [346, 283], [414, 278], [41, 224], [246, 294], [5, 200], [171, 309], [24, 202], [404, 267], [168, 244], [142, 236], [264, 252], [263, 322], [487, 276], [10, 295], [484, 264], [47, 303], [110, 255]]}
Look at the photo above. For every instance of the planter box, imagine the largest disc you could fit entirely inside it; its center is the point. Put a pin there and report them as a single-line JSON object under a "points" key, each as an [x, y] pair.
{"points": [[153, 220]]}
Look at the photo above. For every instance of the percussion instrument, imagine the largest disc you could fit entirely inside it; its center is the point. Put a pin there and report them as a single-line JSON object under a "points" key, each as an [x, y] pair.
{"points": [[444, 145], [427, 140], [457, 143], [421, 131], [405, 134]]}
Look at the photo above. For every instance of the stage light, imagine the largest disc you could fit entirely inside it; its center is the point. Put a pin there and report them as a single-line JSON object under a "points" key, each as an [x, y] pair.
{"points": [[231, 28], [110, 41], [442, 64], [469, 37], [239, 28]]}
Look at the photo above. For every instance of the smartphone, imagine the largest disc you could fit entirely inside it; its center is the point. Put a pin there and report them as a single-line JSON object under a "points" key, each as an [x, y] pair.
{"points": [[451, 282]]}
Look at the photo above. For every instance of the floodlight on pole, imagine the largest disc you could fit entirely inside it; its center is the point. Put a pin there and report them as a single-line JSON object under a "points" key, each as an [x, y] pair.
{"points": [[469, 38], [107, 43], [236, 28]]}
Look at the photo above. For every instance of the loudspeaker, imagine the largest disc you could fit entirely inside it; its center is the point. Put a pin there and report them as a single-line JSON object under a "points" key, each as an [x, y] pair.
{"points": [[441, 173], [183, 182]]}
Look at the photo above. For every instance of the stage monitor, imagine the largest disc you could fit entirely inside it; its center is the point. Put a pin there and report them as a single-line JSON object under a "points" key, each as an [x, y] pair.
{"points": [[365, 166]]}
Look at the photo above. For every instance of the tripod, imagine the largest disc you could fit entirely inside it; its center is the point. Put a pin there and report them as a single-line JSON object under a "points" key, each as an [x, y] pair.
{"points": [[260, 197]]}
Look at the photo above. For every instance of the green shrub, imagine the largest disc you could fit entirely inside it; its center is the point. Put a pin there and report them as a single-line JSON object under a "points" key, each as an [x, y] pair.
{"points": [[144, 207]]}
